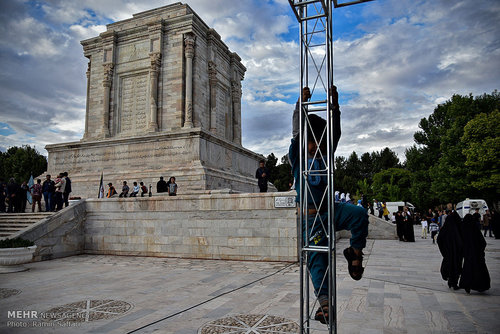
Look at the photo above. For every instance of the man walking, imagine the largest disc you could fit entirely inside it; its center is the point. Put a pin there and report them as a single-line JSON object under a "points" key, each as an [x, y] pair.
{"points": [[262, 174]]}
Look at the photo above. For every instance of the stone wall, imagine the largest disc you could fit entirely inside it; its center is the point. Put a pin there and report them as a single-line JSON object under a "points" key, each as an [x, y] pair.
{"points": [[198, 159], [211, 226], [59, 235]]}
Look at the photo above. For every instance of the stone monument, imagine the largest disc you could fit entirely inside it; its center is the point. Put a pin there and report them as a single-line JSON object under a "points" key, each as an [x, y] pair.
{"points": [[163, 99]]}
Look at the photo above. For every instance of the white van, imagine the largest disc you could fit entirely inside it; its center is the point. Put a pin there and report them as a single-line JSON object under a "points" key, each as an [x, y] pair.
{"points": [[470, 206], [397, 206]]}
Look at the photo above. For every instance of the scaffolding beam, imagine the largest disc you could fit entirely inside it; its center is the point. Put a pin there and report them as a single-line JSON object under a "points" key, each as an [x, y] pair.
{"points": [[316, 72]]}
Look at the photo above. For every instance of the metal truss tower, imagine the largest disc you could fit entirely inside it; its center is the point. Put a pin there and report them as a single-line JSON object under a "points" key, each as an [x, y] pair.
{"points": [[316, 72]]}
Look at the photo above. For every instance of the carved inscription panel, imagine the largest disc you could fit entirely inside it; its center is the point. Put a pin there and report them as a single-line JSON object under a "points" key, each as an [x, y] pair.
{"points": [[222, 109], [133, 104]]}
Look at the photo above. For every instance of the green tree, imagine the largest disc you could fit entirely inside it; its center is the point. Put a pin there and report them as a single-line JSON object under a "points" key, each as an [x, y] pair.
{"points": [[21, 162], [283, 175], [438, 161], [340, 173], [481, 142], [418, 163], [366, 167], [451, 177], [280, 175], [271, 162], [364, 188], [353, 166], [392, 185], [384, 159]]}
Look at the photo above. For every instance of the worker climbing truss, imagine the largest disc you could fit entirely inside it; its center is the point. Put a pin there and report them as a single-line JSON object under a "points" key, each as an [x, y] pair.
{"points": [[316, 72]]}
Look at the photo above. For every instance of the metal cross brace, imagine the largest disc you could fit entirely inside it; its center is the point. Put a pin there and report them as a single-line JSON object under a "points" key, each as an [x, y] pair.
{"points": [[316, 211]]}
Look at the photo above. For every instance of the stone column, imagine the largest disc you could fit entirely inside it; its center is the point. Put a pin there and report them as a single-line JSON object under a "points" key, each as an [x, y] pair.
{"points": [[155, 30], [155, 58], [108, 48], [212, 77], [189, 42], [86, 133], [236, 111], [106, 84]]}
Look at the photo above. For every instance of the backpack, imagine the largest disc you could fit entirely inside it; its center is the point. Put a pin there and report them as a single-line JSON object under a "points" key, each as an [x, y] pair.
{"points": [[144, 189]]}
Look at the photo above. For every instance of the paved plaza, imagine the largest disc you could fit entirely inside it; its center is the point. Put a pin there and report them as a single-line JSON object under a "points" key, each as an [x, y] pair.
{"points": [[401, 292]]}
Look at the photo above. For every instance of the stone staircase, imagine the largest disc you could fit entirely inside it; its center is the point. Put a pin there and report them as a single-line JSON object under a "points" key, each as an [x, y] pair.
{"points": [[11, 223]]}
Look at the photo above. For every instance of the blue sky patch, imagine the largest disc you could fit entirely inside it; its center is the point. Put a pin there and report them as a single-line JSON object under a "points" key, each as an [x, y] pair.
{"points": [[6, 130]]}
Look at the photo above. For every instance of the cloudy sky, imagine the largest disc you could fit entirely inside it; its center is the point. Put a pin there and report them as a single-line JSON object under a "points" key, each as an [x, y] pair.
{"points": [[395, 60]]}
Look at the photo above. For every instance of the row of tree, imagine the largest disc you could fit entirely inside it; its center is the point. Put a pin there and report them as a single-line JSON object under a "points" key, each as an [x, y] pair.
{"points": [[20, 163], [456, 155]]}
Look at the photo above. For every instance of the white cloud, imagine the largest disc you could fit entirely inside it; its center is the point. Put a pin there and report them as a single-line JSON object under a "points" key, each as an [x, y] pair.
{"points": [[398, 61], [27, 36], [85, 32]]}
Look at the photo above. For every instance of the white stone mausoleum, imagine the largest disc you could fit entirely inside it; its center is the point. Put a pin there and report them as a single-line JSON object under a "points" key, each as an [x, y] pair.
{"points": [[163, 99]]}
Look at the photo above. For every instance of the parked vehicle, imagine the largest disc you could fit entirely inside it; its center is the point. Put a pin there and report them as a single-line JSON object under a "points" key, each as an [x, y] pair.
{"points": [[470, 206], [398, 206]]}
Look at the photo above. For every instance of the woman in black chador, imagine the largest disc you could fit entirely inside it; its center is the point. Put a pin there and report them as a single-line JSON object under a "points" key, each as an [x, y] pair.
{"points": [[451, 247], [408, 233], [399, 225], [475, 274]]}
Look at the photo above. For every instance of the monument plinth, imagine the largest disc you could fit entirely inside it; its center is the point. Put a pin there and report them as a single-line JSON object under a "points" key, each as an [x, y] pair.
{"points": [[163, 99]]}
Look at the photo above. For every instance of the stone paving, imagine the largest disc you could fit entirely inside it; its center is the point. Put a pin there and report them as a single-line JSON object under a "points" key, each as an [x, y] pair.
{"points": [[401, 292]]}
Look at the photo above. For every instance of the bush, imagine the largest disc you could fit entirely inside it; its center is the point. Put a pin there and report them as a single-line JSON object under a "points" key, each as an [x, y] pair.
{"points": [[15, 243]]}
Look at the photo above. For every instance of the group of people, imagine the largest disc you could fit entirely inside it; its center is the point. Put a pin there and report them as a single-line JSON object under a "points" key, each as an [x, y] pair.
{"points": [[169, 187], [13, 196], [404, 225], [343, 197], [490, 222], [431, 223], [462, 246], [55, 194]]}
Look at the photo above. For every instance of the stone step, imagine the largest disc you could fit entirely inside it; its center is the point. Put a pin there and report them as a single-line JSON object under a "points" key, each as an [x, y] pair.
{"points": [[11, 223], [10, 230], [17, 216], [24, 214], [19, 225], [20, 220]]}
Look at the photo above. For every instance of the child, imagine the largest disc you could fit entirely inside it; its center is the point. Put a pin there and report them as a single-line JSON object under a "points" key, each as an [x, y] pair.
{"points": [[144, 189], [424, 228], [111, 190], [135, 190], [125, 190], [347, 216], [172, 187], [36, 195], [434, 228]]}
